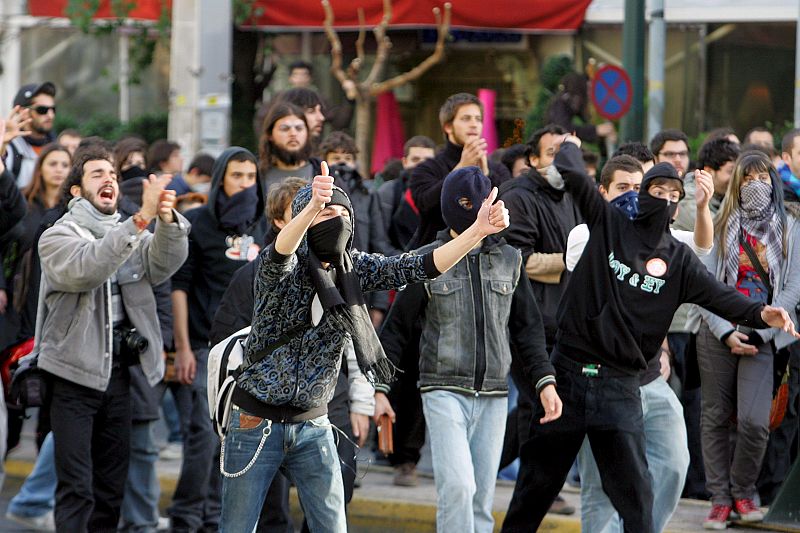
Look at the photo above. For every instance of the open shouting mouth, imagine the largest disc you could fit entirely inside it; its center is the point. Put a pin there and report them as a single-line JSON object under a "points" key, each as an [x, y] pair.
{"points": [[107, 192]]}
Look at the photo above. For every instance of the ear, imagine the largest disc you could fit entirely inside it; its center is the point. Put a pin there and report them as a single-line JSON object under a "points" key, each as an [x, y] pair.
{"points": [[448, 129], [533, 161], [278, 223], [603, 191], [75, 190]]}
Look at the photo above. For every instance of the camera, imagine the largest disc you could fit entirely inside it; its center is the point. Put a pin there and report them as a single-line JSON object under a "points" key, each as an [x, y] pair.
{"points": [[128, 344]]}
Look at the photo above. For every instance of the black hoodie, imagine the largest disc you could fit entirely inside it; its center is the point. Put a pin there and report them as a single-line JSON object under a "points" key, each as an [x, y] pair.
{"points": [[214, 253], [633, 275]]}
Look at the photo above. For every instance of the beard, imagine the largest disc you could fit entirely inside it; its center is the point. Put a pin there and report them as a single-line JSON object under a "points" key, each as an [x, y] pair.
{"points": [[290, 157], [41, 128], [106, 210]]}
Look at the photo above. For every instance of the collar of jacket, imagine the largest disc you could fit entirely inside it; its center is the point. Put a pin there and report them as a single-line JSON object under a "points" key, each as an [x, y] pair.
{"points": [[452, 153], [490, 244], [556, 194]]}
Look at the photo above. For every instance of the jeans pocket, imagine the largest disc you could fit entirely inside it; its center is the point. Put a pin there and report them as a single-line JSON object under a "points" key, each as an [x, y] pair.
{"points": [[246, 422]]}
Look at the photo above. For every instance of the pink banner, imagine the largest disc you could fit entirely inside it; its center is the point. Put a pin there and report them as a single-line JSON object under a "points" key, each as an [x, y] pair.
{"points": [[389, 133], [488, 97]]}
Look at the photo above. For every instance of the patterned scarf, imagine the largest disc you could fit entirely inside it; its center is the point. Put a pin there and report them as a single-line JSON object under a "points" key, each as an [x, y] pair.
{"points": [[755, 216]]}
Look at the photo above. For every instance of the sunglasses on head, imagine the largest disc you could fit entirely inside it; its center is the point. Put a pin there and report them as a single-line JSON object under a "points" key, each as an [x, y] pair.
{"points": [[43, 109]]}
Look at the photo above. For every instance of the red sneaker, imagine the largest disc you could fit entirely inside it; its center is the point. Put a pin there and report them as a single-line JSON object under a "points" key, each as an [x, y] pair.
{"points": [[718, 517], [748, 511]]}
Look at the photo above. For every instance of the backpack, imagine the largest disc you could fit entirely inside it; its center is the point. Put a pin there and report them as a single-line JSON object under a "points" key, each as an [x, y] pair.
{"points": [[225, 363]]}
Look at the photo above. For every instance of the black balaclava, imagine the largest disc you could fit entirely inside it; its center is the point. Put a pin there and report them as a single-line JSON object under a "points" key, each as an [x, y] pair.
{"points": [[467, 183], [655, 212], [330, 239]]}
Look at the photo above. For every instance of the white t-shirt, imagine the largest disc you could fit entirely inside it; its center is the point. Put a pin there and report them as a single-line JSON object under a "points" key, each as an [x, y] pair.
{"points": [[579, 236]]}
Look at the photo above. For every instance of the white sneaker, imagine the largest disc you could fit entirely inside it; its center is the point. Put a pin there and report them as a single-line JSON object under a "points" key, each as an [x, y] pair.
{"points": [[171, 452], [163, 523], [45, 522]]}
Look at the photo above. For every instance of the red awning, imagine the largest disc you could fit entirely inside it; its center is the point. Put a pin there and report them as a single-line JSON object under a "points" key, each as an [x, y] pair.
{"points": [[144, 10], [512, 15]]}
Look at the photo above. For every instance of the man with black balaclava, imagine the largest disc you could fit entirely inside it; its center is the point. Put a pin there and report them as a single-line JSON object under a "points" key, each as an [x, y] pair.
{"points": [[308, 305], [226, 233], [612, 319]]}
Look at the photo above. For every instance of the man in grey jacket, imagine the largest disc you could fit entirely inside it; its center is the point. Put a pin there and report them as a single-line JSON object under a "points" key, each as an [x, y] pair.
{"points": [[97, 316]]}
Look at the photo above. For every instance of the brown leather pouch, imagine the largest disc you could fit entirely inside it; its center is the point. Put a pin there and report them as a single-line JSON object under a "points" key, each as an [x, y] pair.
{"points": [[170, 375], [385, 440]]}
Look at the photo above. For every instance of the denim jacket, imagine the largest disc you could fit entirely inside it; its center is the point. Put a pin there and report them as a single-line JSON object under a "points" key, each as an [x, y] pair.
{"points": [[475, 316]]}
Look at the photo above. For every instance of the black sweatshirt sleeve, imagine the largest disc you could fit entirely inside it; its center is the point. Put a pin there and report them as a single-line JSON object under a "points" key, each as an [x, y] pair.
{"points": [[12, 203], [527, 336], [235, 309], [426, 187], [398, 326], [705, 290], [569, 162]]}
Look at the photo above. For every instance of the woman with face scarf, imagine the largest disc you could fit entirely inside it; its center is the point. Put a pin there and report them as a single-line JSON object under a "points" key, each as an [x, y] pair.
{"points": [[736, 363]]}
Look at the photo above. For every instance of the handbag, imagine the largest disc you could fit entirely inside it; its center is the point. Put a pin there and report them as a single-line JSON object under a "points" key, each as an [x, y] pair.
{"points": [[780, 389]]}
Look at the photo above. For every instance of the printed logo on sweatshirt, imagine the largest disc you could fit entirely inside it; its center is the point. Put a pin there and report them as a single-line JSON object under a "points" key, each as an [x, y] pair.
{"points": [[647, 283], [241, 248], [656, 267]]}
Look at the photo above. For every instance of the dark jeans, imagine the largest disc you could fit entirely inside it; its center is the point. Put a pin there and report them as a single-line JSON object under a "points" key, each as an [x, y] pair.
{"points": [[685, 370], [196, 502], [409, 427], [608, 409], [91, 431], [519, 419], [783, 442]]}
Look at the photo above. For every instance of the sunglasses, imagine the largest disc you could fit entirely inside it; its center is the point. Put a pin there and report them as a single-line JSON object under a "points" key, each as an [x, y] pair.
{"points": [[43, 109]]}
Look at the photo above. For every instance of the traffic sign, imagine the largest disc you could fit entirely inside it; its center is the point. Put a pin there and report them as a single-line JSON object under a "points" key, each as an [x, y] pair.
{"points": [[611, 92]]}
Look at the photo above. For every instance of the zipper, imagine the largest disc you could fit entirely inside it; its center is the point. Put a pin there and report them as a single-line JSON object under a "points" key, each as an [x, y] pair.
{"points": [[477, 306]]}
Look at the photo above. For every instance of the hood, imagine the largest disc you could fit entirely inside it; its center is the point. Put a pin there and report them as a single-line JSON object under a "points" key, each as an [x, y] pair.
{"points": [[662, 170], [301, 200], [218, 173]]}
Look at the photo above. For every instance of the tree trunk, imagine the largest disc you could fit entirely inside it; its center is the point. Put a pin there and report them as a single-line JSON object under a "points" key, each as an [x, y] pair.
{"points": [[363, 117]]}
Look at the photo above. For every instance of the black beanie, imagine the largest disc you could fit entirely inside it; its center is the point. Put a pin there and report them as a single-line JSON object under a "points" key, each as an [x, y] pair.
{"points": [[661, 170], [469, 183]]}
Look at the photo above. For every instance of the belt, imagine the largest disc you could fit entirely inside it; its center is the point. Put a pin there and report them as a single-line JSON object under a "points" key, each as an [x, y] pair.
{"points": [[589, 370]]}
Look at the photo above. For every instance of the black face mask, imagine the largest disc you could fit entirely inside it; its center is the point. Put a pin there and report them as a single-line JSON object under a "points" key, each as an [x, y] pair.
{"points": [[133, 172], [328, 239], [656, 212]]}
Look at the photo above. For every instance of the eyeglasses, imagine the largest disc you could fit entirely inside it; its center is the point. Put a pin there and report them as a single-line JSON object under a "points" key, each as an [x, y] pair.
{"points": [[673, 155], [44, 109], [285, 128]]}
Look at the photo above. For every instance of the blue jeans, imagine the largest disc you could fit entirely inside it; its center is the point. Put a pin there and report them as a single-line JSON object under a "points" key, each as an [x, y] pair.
{"points": [[466, 437], [306, 451], [667, 460], [37, 496], [140, 504]]}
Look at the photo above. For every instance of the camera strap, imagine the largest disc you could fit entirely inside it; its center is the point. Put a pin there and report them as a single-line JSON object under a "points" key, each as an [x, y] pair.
{"points": [[756, 262]]}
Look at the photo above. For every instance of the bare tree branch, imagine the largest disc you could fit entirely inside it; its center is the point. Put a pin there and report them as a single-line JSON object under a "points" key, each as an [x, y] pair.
{"points": [[443, 27], [336, 44], [384, 44]]}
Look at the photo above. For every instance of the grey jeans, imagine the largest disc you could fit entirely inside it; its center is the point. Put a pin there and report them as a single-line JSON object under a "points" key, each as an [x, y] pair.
{"points": [[733, 388]]}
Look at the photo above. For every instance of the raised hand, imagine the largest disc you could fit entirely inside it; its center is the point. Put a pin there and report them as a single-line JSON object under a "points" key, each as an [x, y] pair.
{"points": [[777, 317], [152, 187], [551, 403], [17, 124], [473, 153], [492, 217], [321, 189], [704, 188]]}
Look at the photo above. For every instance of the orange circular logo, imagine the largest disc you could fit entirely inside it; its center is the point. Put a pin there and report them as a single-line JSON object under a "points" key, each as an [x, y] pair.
{"points": [[656, 267]]}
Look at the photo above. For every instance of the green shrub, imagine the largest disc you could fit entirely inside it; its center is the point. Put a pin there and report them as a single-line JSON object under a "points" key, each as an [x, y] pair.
{"points": [[150, 126]]}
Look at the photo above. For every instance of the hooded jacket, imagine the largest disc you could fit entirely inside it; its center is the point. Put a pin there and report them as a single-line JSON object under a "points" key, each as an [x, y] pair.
{"points": [[620, 299], [215, 253], [541, 218], [295, 380]]}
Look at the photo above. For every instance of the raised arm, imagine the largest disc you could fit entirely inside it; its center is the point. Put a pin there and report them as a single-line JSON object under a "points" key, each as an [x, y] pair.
{"points": [[569, 162], [704, 225]]}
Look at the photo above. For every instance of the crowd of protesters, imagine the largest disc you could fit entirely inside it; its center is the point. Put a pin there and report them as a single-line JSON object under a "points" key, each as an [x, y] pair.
{"points": [[528, 309]]}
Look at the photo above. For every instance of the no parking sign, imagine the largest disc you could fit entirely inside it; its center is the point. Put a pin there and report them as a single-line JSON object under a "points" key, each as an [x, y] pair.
{"points": [[611, 92]]}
